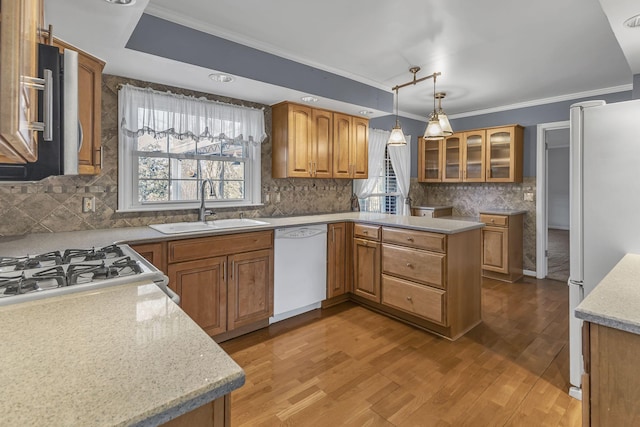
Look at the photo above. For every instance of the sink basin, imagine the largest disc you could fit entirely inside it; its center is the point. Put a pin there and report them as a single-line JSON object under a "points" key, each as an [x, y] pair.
{"points": [[236, 222], [183, 227]]}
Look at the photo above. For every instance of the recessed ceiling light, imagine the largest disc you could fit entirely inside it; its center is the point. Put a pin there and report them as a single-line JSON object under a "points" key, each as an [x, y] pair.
{"points": [[366, 112], [309, 99], [222, 78], [121, 2], [633, 22]]}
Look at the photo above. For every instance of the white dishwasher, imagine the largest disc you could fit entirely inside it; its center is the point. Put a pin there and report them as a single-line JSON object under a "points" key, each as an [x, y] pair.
{"points": [[300, 270]]}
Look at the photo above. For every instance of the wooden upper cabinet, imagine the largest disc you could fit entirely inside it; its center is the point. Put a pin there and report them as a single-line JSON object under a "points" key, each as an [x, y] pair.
{"points": [[429, 160], [19, 36], [473, 156], [342, 135], [350, 146], [504, 154], [314, 143], [452, 158], [360, 148], [89, 109], [292, 133], [322, 144]]}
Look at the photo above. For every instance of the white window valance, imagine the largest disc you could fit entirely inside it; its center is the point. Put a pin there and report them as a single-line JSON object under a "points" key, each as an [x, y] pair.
{"points": [[147, 111]]}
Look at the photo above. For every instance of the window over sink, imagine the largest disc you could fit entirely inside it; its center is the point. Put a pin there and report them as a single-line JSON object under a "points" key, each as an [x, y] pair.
{"points": [[169, 144]]}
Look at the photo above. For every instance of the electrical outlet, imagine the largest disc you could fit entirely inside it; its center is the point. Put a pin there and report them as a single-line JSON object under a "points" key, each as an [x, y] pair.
{"points": [[88, 204], [528, 197]]}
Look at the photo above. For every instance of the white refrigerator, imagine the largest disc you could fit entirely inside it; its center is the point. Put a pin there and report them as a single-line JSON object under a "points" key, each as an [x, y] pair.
{"points": [[604, 205]]}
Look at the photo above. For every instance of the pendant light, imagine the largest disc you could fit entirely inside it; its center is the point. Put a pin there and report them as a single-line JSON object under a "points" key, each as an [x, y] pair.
{"points": [[434, 129], [397, 136], [438, 126], [444, 120]]}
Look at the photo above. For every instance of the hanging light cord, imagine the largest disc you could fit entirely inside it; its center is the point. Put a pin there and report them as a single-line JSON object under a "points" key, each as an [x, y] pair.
{"points": [[435, 112], [397, 102]]}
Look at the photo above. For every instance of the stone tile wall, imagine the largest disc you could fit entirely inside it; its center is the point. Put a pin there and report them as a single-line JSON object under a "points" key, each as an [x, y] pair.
{"points": [[468, 199], [55, 204]]}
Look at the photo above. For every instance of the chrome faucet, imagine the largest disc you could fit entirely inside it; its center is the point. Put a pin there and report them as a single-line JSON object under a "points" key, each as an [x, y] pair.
{"points": [[204, 212]]}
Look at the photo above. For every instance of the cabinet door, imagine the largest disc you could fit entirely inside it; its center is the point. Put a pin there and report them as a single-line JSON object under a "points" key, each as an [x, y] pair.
{"points": [[322, 144], [89, 114], [19, 38], [341, 148], [504, 154], [337, 260], [429, 160], [452, 158], [203, 291], [299, 141], [360, 148], [366, 269], [155, 253], [250, 288], [495, 249], [473, 156]]}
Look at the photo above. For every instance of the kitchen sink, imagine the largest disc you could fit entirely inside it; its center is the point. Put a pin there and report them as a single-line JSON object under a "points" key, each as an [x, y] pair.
{"points": [[236, 222], [183, 227]]}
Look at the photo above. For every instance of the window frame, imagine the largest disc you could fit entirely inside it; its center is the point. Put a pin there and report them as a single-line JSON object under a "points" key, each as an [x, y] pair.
{"points": [[385, 177], [129, 176]]}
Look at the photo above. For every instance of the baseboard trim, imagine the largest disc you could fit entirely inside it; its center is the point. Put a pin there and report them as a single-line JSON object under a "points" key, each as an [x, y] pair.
{"points": [[529, 273]]}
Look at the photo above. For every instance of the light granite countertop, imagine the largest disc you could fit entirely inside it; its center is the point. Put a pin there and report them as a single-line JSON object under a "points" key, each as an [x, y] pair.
{"points": [[122, 355], [509, 212], [44, 242], [615, 301]]}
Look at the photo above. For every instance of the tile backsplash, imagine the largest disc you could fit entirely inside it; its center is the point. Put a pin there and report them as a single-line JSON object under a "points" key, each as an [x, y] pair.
{"points": [[468, 199], [55, 204]]}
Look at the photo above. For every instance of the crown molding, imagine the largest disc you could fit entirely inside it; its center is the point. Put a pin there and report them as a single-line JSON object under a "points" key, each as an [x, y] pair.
{"points": [[543, 101]]}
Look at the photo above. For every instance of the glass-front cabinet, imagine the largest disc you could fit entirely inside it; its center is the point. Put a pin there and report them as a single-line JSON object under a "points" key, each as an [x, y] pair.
{"points": [[452, 162], [429, 160], [473, 156], [504, 154]]}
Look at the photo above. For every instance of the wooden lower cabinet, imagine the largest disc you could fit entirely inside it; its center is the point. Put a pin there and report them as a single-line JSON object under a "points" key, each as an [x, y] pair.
{"points": [[213, 414], [202, 287], [366, 269], [430, 280], [250, 287], [338, 259], [502, 253], [611, 383], [225, 283], [155, 253]]}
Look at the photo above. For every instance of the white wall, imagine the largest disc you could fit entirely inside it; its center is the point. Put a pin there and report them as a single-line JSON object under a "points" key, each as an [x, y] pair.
{"points": [[558, 187]]}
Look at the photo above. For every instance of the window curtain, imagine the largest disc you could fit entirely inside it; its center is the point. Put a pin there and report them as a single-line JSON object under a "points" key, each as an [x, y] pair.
{"points": [[186, 117], [377, 143], [401, 162]]}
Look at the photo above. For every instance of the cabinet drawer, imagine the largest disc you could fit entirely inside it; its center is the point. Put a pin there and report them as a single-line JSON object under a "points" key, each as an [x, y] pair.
{"points": [[495, 220], [412, 264], [207, 247], [428, 213], [415, 239], [423, 301], [366, 231]]}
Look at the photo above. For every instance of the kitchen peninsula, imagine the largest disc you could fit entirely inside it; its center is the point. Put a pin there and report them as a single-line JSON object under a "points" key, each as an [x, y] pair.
{"points": [[128, 355]]}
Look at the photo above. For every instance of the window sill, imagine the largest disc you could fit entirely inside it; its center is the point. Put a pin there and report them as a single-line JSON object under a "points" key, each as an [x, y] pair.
{"points": [[186, 207]]}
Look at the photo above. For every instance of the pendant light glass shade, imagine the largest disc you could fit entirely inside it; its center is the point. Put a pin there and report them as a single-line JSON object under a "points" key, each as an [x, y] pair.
{"points": [[397, 136], [434, 129], [444, 120]]}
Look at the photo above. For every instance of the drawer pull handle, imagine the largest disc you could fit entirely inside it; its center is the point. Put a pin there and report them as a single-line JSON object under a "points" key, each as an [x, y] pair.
{"points": [[493, 220], [409, 299], [409, 265], [410, 239], [365, 232]]}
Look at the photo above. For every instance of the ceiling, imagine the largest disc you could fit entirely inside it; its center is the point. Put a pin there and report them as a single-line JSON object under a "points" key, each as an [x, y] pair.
{"points": [[493, 54]]}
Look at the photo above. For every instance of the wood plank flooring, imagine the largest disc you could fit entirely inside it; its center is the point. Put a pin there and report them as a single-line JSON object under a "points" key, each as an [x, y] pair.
{"points": [[348, 366]]}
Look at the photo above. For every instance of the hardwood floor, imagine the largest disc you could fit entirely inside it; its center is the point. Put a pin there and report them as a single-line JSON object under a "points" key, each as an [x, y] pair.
{"points": [[348, 366]]}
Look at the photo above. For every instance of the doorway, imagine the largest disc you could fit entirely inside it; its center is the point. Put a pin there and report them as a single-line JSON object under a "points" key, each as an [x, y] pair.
{"points": [[552, 206]]}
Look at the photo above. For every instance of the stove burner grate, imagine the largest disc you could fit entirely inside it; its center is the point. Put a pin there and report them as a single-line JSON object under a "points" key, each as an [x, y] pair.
{"points": [[85, 273], [31, 262], [93, 254]]}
